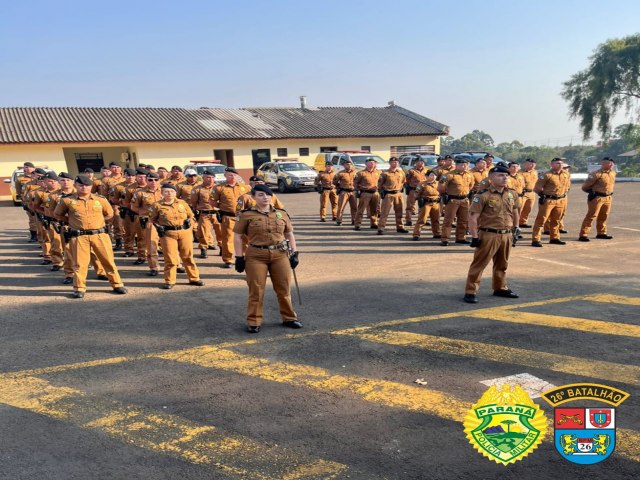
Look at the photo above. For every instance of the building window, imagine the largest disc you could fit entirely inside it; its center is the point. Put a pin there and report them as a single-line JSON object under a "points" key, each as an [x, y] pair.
{"points": [[304, 152], [328, 149], [89, 160], [408, 149], [282, 152], [366, 148]]}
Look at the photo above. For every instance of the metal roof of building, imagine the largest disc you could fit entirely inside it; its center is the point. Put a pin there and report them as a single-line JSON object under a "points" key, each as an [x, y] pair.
{"points": [[85, 124]]}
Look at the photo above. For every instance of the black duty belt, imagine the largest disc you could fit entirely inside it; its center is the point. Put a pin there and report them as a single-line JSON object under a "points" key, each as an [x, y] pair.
{"points": [[49, 219], [369, 191], [347, 189], [411, 188], [597, 194], [391, 192], [227, 214], [277, 246], [80, 233], [496, 230], [458, 197], [526, 190], [555, 197], [431, 200], [207, 212], [327, 188], [170, 227]]}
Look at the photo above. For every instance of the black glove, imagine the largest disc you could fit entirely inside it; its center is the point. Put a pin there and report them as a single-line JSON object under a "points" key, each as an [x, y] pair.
{"points": [[475, 242], [186, 224], [122, 212], [239, 264], [293, 260]]}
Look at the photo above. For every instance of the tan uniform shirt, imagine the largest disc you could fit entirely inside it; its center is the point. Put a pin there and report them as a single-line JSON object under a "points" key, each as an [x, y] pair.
{"points": [[478, 177], [51, 202], [21, 182], [37, 199], [144, 199], [201, 197], [440, 171], [552, 183], [530, 179], [366, 180], [600, 181], [88, 213], [97, 185], [170, 214], [392, 180], [325, 179], [264, 228], [515, 182], [428, 190], [344, 180], [457, 183], [176, 180], [129, 191], [109, 182], [246, 202], [225, 197], [495, 208], [184, 191], [416, 176], [117, 192]]}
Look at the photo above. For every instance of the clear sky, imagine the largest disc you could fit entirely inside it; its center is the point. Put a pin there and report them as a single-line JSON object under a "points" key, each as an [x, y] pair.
{"points": [[492, 65]]}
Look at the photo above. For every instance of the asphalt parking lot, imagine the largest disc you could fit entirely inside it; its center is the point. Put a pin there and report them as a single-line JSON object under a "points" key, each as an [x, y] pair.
{"points": [[166, 384]]}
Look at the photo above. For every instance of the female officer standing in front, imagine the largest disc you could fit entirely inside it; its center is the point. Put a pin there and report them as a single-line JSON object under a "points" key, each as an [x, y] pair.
{"points": [[268, 230]]}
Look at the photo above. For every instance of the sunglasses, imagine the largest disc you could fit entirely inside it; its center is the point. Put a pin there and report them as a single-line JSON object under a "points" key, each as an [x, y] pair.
{"points": [[153, 179]]}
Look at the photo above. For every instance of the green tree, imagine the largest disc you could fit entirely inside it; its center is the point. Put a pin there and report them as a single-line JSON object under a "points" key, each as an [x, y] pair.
{"points": [[609, 83], [508, 423]]}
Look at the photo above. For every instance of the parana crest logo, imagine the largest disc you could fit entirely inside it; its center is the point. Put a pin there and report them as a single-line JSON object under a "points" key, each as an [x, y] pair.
{"points": [[505, 425]]}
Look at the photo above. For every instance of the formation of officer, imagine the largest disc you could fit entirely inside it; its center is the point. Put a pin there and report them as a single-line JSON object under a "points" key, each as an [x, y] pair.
{"points": [[141, 203], [494, 214], [326, 189], [366, 186], [205, 213], [390, 185], [346, 190], [529, 177], [415, 176], [455, 187], [271, 250], [429, 202], [599, 187], [552, 187]]}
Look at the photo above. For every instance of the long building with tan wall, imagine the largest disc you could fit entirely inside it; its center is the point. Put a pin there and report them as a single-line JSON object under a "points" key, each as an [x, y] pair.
{"points": [[72, 139]]}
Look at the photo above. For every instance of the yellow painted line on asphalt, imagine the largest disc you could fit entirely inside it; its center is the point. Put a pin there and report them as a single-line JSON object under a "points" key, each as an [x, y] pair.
{"points": [[514, 356], [164, 433], [557, 321], [381, 392], [618, 299]]}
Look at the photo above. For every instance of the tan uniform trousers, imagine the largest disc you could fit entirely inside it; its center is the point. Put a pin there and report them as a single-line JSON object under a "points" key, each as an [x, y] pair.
{"points": [[432, 211], [368, 202], [67, 267], [552, 210], [178, 245], [412, 198], [118, 224], [347, 198], [326, 197], [565, 204], [226, 238], [33, 223], [140, 239], [392, 200], [45, 244], [80, 249], [455, 208], [207, 225], [493, 246], [527, 201], [55, 240], [598, 210], [129, 234], [151, 242], [276, 264]]}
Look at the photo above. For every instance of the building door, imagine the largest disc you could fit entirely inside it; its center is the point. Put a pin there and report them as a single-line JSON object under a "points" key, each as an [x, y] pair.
{"points": [[225, 157], [260, 156]]}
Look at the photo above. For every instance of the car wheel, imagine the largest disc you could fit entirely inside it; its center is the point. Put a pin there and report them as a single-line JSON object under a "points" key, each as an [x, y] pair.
{"points": [[282, 187]]}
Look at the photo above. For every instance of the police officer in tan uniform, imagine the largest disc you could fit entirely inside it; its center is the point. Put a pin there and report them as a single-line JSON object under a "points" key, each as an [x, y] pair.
{"points": [[176, 176], [599, 185], [479, 172], [268, 229], [366, 185], [529, 177], [345, 187], [117, 196], [326, 189], [86, 214], [429, 203], [28, 168], [415, 176], [493, 216], [246, 200], [132, 216], [446, 167], [205, 213], [116, 224], [184, 193], [390, 185], [552, 186], [515, 181], [172, 219], [141, 203], [456, 186], [40, 196]]}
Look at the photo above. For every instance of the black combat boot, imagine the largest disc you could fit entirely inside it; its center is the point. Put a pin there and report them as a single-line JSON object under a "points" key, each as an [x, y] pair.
{"points": [[34, 236]]}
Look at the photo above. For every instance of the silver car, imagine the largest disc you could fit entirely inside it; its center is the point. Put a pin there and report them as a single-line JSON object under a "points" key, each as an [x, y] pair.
{"points": [[358, 160], [407, 162]]}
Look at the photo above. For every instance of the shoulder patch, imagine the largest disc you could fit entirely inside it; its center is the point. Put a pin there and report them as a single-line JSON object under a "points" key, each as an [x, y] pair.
{"points": [[590, 175], [443, 178], [541, 176], [476, 199]]}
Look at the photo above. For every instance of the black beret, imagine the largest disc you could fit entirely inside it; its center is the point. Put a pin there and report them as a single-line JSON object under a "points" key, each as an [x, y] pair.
{"points": [[430, 172], [130, 171], [255, 179], [532, 160], [104, 167], [347, 160], [501, 164], [152, 175], [51, 175], [462, 160], [65, 175], [419, 158], [40, 171], [88, 170], [84, 180], [500, 168], [513, 163], [162, 168], [142, 165], [231, 169], [370, 159], [141, 171], [488, 155], [28, 164], [328, 162], [608, 159], [149, 167], [207, 172], [169, 185], [557, 159], [113, 164], [176, 167], [448, 157], [262, 188]]}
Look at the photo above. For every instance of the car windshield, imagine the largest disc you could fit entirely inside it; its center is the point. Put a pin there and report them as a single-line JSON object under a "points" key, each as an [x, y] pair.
{"points": [[216, 169], [430, 161], [294, 167], [361, 159]]}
